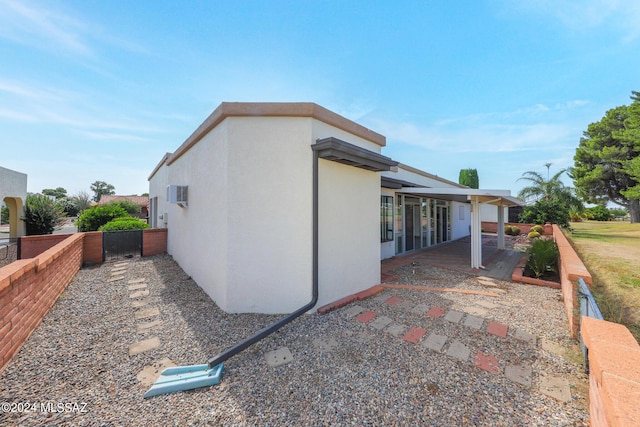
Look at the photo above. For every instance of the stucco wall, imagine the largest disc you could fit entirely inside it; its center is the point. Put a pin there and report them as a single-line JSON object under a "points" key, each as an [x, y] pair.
{"points": [[349, 228], [246, 235], [269, 214], [197, 234], [460, 220], [13, 191]]}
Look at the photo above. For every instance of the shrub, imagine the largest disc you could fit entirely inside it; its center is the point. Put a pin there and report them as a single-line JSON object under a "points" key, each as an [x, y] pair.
{"points": [[543, 211], [598, 213], [515, 231], [533, 235], [94, 218], [124, 223], [41, 216], [543, 257], [538, 229], [508, 230]]}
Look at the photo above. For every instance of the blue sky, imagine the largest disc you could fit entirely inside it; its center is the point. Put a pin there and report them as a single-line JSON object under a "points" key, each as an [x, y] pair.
{"points": [[100, 90]]}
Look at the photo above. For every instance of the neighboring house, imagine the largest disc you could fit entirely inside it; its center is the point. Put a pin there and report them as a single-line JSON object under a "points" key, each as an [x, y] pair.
{"points": [[13, 192], [141, 201], [238, 200]]}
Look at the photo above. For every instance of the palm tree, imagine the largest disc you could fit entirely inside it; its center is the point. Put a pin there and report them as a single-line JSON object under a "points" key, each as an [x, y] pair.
{"points": [[547, 189]]}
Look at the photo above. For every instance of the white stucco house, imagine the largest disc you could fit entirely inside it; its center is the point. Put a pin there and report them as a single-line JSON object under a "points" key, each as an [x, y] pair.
{"points": [[13, 192], [264, 198]]}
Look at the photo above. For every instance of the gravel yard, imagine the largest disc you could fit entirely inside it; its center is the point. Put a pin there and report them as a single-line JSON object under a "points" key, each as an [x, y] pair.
{"points": [[344, 371]]}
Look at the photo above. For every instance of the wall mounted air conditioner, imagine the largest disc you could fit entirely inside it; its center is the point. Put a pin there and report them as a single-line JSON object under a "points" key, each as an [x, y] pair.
{"points": [[177, 194]]}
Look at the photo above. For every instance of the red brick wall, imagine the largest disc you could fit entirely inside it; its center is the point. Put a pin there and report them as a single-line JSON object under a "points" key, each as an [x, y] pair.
{"points": [[30, 287], [614, 373], [92, 250], [492, 227], [154, 241], [31, 246], [571, 269]]}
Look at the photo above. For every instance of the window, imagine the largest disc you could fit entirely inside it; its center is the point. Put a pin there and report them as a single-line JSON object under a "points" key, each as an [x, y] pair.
{"points": [[386, 218]]}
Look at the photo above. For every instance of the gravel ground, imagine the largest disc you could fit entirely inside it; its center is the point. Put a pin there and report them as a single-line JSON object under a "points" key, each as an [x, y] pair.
{"points": [[79, 357]]}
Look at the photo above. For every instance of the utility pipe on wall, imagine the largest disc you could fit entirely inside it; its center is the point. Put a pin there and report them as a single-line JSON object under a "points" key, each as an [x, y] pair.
{"points": [[213, 362]]}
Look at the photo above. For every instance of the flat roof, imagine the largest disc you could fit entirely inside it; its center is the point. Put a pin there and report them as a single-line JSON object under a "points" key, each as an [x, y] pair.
{"points": [[271, 109], [464, 195]]}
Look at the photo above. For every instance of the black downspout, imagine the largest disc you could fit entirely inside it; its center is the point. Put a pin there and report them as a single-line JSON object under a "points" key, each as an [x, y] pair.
{"points": [[280, 323]]}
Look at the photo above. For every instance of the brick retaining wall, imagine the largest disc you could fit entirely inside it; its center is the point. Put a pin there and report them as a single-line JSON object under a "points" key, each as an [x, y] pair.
{"points": [[614, 373], [492, 227], [571, 269], [154, 241], [30, 287]]}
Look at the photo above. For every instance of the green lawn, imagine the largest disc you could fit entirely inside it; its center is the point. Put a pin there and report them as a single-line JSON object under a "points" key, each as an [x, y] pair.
{"points": [[611, 253]]}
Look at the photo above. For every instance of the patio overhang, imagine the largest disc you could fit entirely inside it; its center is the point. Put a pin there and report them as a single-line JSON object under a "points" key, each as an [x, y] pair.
{"points": [[476, 197], [501, 198], [343, 152]]}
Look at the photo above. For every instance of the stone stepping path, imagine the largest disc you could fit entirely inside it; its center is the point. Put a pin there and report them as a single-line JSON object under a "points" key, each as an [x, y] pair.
{"points": [[144, 313], [521, 374]]}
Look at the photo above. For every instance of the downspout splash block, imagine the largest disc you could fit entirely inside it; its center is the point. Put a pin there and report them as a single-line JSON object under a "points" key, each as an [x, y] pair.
{"points": [[182, 378]]}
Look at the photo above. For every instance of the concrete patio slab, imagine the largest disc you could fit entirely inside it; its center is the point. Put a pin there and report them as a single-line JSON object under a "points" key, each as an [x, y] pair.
{"points": [[145, 345], [473, 322], [396, 329], [420, 309], [459, 351], [520, 374], [325, 344], [143, 327], [278, 357], [353, 310], [138, 304], [555, 387], [152, 372], [138, 294], [380, 322], [526, 337], [454, 316], [147, 312], [434, 342]]}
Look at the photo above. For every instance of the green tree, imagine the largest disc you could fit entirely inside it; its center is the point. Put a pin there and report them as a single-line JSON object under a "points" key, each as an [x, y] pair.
{"points": [[58, 193], [41, 216], [598, 213], [101, 188], [469, 177], [549, 199], [605, 165], [4, 214]]}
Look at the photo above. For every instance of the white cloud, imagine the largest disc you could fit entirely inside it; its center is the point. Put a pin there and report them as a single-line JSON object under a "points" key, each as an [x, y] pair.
{"points": [[538, 127], [584, 15], [39, 27]]}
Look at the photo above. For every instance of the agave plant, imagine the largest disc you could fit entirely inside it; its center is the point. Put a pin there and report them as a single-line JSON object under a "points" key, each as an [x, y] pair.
{"points": [[543, 257]]}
